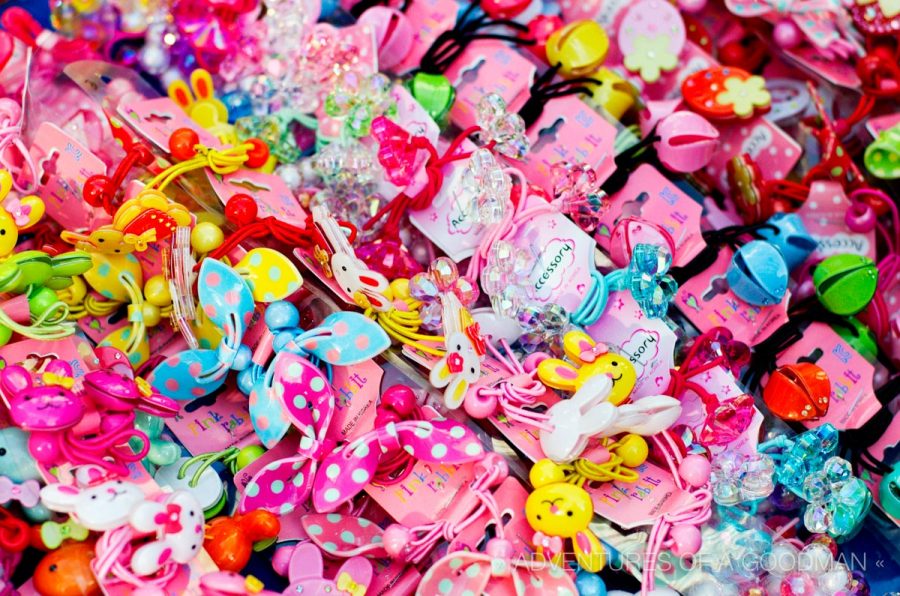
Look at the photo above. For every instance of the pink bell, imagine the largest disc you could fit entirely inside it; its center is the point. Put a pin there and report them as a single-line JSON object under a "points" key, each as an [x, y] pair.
{"points": [[632, 231], [393, 34], [654, 112], [687, 141]]}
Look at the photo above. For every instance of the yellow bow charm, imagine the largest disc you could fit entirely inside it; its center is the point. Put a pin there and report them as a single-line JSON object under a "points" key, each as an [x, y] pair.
{"points": [[140, 242], [50, 378], [346, 584], [253, 585], [53, 534]]}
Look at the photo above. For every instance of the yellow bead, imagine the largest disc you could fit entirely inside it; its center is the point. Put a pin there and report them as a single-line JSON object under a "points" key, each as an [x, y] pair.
{"points": [[400, 288], [206, 237], [151, 315], [615, 95], [545, 472], [156, 291], [632, 449]]}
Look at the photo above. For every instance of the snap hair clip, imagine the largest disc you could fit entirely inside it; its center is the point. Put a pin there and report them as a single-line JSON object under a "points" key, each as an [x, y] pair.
{"points": [[556, 511], [397, 541], [798, 391], [589, 414], [438, 440], [428, 84], [460, 366]]}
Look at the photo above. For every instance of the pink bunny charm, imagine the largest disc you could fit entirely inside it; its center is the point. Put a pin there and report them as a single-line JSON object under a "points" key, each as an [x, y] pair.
{"points": [[461, 366], [305, 574], [229, 583]]}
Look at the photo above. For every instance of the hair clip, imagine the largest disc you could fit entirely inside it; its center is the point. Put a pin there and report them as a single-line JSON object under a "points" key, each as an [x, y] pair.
{"points": [[229, 541], [589, 414], [438, 440], [678, 530], [202, 106], [738, 478], [557, 510], [590, 359], [11, 123], [501, 130], [399, 542], [343, 338], [818, 25], [725, 419], [356, 100], [303, 565], [460, 366], [845, 283], [726, 93], [428, 85], [53, 534], [19, 468], [230, 583]]}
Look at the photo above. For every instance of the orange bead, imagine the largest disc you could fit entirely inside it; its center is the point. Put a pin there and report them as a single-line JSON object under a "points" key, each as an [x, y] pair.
{"points": [[258, 155], [66, 571]]}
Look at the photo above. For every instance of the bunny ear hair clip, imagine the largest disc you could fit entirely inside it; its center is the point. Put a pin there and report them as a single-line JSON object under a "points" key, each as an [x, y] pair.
{"points": [[589, 414], [343, 339], [460, 367]]}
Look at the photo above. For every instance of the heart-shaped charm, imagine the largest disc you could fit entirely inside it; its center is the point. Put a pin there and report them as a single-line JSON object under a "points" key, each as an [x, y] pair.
{"points": [[726, 423]]}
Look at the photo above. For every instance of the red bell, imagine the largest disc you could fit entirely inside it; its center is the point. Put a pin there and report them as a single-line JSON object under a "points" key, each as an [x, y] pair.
{"points": [[799, 391]]}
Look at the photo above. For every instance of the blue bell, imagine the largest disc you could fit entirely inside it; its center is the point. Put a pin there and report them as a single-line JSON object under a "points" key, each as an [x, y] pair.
{"points": [[790, 237], [758, 274]]}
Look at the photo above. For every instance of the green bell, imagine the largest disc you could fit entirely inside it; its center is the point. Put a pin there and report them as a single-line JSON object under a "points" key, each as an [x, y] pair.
{"points": [[882, 157], [435, 93], [859, 337], [889, 493], [845, 283]]}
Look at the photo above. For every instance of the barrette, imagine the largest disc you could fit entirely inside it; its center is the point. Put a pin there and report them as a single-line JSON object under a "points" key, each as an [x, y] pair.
{"points": [[496, 569], [306, 399], [428, 85], [54, 534], [227, 301], [438, 441], [103, 441], [738, 477], [678, 530], [556, 511], [590, 359], [203, 106], [399, 542], [816, 23], [589, 414], [304, 567], [837, 501], [724, 419], [19, 468], [11, 122], [343, 339], [229, 541], [65, 569], [230, 583], [460, 366]]}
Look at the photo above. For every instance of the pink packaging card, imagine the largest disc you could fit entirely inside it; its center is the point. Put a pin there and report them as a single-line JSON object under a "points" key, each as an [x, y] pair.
{"points": [[430, 492], [651, 196], [357, 389], [487, 66], [510, 497], [568, 130], [633, 504], [215, 425], [824, 215], [563, 255], [889, 439], [308, 258], [156, 120], [649, 344], [429, 18], [413, 117], [879, 124], [35, 354], [775, 152], [708, 302], [836, 72], [63, 166], [853, 399], [272, 195]]}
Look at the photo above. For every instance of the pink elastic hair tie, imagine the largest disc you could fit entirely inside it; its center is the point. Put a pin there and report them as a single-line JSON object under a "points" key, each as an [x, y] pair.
{"points": [[11, 123], [113, 548], [678, 530]]}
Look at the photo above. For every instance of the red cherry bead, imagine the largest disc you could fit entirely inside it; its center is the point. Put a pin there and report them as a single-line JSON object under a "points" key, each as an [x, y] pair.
{"points": [[241, 210], [258, 155], [96, 188], [182, 142]]}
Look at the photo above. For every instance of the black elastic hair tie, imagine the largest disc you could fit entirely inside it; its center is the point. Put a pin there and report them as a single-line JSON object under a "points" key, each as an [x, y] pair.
{"points": [[450, 44], [543, 90], [855, 443], [715, 240]]}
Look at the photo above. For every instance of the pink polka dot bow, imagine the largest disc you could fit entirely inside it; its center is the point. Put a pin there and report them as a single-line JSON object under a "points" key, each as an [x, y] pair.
{"points": [[350, 468]]}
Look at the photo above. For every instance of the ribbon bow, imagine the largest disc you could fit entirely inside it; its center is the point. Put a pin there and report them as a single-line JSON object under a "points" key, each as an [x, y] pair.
{"points": [[550, 544], [350, 468], [593, 352], [28, 493], [346, 584], [53, 534], [817, 19], [227, 302], [141, 241], [50, 378], [343, 339], [19, 211]]}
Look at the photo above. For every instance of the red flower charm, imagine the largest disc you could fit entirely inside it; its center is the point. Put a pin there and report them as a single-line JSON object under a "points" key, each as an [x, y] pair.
{"points": [[170, 519], [455, 362], [473, 332]]}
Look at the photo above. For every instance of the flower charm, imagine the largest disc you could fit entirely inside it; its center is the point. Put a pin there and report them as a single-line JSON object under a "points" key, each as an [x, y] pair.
{"points": [[745, 95], [505, 129], [504, 277], [650, 57], [442, 276], [577, 191], [838, 501], [170, 519], [358, 100], [485, 179], [737, 478], [646, 277], [544, 327]]}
